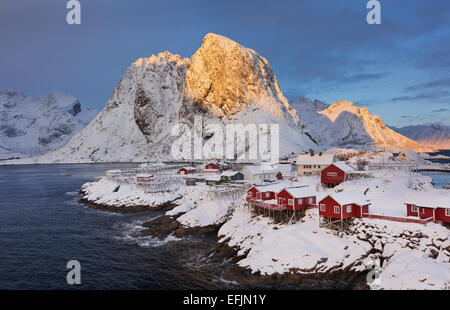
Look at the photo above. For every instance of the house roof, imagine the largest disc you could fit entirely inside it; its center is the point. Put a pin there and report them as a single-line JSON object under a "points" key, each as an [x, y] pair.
{"points": [[307, 159], [277, 187], [343, 166], [213, 177], [428, 200], [113, 172], [229, 173], [258, 170], [348, 197], [188, 168], [286, 170], [299, 192]]}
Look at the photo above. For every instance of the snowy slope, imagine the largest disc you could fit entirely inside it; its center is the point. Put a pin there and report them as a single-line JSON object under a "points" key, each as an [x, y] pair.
{"points": [[31, 127], [224, 82], [343, 124], [434, 135]]}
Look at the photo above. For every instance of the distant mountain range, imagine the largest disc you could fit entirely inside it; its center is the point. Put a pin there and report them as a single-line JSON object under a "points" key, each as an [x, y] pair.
{"points": [[30, 127], [342, 124], [224, 82], [432, 135]]}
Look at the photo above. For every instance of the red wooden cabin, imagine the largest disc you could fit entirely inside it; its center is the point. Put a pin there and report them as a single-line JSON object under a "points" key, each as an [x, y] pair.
{"points": [[296, 198], [334, 174], [187, 170], [343, 208], [262, 192], [217, 167], [439, 214]]}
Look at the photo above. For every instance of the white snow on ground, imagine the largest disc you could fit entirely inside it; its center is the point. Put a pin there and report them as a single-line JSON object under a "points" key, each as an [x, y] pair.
{"points": [[128, 195], [414, 270], [280, 248], [305, 248]]}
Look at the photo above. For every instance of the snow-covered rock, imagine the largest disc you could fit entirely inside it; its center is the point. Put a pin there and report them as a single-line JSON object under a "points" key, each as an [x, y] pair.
{"points": [[343, 124], [30, 127]]}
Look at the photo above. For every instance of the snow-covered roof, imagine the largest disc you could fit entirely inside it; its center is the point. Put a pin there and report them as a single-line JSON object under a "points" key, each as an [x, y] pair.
{"points": [[188, 168], [229, 173], [276, 188], [258, 170], [348, 197], [113, 171], [307, 159], [299, 192], [343, 166], [285, 169], [429, 200], [213, 177]]}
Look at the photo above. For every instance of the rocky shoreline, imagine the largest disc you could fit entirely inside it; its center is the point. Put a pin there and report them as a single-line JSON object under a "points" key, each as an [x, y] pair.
{"points": [[380, 247], [166, 225], [169, 205], [349, 278]]}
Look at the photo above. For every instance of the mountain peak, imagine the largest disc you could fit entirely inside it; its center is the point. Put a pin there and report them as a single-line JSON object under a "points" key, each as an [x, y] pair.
{"points": [[160, 58], [225, 78]]}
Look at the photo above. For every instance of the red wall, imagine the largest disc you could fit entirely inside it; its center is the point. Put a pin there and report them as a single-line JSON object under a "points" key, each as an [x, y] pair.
{"points": [[425, 213], [268, 195], [357, 210], [440, 215], [409, 211], [255, 193], [185, 171], [338, 179], [299, 203], [330, 203], [212, 166]]}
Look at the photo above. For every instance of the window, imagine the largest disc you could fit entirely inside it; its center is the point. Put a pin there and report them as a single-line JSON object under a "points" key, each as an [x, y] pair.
{"points": [[349, 209], [322, 207], [291, 202], [422, 210], [250, 194], [336, 209], [332, 174], [311, 200], [413, 208], [299, 201], [447, 212]]}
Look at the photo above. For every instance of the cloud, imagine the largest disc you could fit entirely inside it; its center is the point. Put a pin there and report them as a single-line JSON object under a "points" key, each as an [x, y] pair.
{"points": [[433, 84], [441, 110], [363, 77], [422, 96]]}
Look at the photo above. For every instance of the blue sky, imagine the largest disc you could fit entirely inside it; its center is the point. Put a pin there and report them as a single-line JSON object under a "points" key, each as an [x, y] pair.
{"points": [[320, 49]]}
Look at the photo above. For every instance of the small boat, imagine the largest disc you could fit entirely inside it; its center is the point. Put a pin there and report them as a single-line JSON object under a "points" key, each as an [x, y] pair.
{"points": [[65, 174], [446, 186]]}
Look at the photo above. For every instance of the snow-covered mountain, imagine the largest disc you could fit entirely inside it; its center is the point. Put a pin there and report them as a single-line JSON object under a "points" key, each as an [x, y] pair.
{"points": [[342, 124], [432, 135], [223, 82], [30, 127]]}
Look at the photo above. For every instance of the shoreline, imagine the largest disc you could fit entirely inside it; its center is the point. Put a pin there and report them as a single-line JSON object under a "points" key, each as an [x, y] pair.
{"points": [[165, 225]]}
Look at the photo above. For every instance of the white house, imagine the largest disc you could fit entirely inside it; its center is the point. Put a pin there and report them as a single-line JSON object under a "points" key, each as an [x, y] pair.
{"points": [[256, 174]]}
